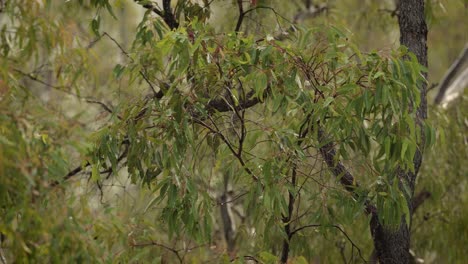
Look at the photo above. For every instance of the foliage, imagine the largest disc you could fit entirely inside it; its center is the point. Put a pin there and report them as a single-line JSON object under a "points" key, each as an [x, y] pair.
{"points": [[196, 118]]}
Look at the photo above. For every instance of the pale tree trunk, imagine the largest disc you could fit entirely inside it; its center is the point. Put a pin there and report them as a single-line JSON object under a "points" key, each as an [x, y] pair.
{"points": [[393, 246]]}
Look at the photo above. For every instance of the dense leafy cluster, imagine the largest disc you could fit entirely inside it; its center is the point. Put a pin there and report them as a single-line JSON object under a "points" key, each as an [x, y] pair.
{"points": [[225, 145]]}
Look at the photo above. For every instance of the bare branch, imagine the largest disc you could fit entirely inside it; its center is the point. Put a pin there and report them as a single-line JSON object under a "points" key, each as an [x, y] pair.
{"points": [[103, 105], [36, 79]]}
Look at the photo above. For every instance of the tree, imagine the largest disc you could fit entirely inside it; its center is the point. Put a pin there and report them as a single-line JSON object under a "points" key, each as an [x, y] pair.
{"points": [[250, 135]]}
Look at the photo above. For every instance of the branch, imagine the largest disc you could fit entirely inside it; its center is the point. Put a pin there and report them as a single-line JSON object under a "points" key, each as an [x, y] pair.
{"points": [[419, 199], [339, 170], [169, 17], [79, 169], [151, 7], [340, 229], [241, 15], [103, 105], [311, 12], [229, 145], [152, 243], [392, 12], [221, 105], [34, 78], [303, 131], [226, 217], [450, 74], [166, 14], [143, 75]]}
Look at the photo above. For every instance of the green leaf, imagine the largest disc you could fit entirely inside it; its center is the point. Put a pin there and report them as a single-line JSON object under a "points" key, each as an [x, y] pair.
{"points": [[299, 260], [260, 84], [95, 175], [95, 25], [268, 258], [404, 147], [328, 101], [405, 209], [118, 70], [109, 9], [378, 74]]}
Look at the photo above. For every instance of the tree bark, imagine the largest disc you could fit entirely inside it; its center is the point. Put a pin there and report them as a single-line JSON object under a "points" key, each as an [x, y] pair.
{"points": [[392, 246]]}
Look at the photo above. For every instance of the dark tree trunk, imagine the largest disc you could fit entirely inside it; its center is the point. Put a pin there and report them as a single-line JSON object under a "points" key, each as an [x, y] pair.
{"points": [[392, 246], [413, 34]]}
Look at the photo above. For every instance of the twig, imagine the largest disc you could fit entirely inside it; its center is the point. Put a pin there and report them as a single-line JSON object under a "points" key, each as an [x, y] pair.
{"points": [[337, 227], [229, 145], [151, 7], [152, 243], [79, 169], [34, 78], [103, 105], [303, 130], [61, 89], [419, 199], [142, 74]]}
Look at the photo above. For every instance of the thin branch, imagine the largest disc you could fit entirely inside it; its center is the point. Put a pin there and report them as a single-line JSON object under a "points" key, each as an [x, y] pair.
{"points": [[143, 75], [34, 78], [303, 130], [103, 105], [392, 12], [61, 89], [337, 227], [234, 198], [152, 243], [79, 169], [151, 7], [419, 199], [229, 145]]}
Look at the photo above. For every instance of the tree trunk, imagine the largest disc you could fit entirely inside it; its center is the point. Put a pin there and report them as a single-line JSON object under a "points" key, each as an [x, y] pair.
{"points": [[392, 246], [413, 34]]}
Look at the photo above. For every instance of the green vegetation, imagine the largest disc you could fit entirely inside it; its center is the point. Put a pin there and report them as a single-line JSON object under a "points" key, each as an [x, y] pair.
{"points": [[227, 131]]}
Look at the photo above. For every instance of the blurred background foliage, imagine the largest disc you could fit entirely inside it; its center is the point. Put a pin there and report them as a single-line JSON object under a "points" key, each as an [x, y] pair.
{"points": [[55, 74]]}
